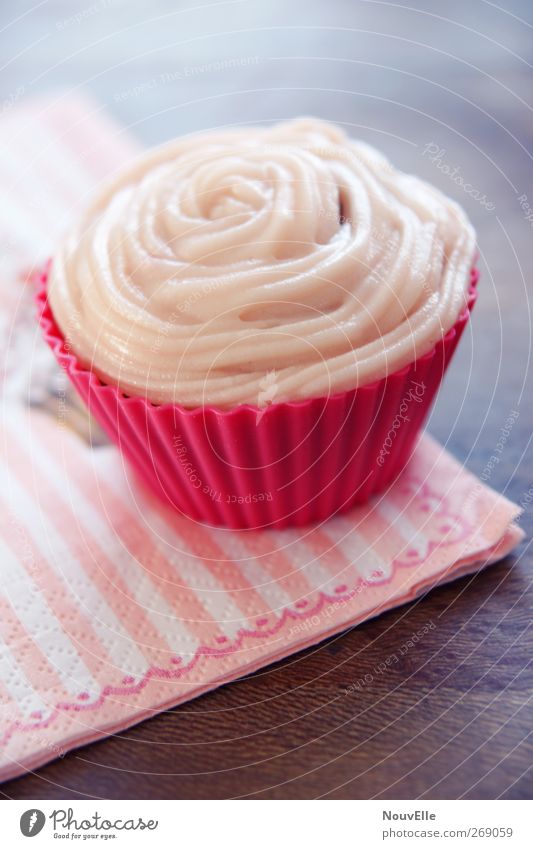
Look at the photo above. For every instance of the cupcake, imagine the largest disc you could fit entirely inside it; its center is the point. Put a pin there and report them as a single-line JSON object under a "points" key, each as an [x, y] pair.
{"points": [[260, 318]]}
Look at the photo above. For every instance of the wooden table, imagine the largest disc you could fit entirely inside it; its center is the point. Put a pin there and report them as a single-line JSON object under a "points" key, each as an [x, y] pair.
{"points": [[447, 93]]}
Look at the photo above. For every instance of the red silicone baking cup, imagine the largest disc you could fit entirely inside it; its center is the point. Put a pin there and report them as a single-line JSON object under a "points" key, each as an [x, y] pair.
{"points": [[289, 464]]}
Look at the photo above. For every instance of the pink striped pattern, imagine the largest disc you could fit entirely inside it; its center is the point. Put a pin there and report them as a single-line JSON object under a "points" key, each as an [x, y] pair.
{"points": [[113, 608]]}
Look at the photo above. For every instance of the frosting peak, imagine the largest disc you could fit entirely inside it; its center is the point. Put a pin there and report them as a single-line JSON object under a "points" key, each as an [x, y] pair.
{"points": [[289, 254]]}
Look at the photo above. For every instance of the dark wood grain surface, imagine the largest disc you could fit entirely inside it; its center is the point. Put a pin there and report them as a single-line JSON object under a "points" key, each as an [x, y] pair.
{"points": [[446, 91]]}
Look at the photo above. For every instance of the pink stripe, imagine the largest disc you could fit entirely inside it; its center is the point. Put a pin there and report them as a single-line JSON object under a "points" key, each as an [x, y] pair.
{"points": [[79, 630], [51, 179], [165, 576], [30, 659], [24, 199], [183, 601], [105, 576], [74, 126], [9, 709], [381, 536], [52, 586], [98, 143], [325, 546], [269, 550], [233, 580]]}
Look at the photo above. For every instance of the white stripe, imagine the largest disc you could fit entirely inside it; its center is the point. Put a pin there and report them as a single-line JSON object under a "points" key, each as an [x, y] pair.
{"points": [[17, 226], [200, 580], [120, 648], [302, 557], [56, 152], [211, 593], [397, 518], [120, 644], [40, 622], [18, 686], [197, 577], [270, 590], [34, 202], [18, 219], [366, 562], [32, 158]]}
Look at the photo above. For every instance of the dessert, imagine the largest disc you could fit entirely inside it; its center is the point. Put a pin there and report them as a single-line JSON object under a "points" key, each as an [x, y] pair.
{"points": [[217, 259], [284, 289]]}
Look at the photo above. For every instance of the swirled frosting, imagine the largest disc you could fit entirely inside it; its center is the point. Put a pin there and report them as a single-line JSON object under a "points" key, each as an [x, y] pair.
{"points": [[260, 265]]}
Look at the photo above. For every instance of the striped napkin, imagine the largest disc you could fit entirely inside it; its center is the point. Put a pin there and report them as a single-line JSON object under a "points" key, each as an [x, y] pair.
{"points": [[113, 608]]}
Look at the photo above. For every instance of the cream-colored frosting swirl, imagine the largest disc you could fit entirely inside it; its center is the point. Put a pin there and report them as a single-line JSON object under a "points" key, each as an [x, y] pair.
{"points": [[259, 265]]}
